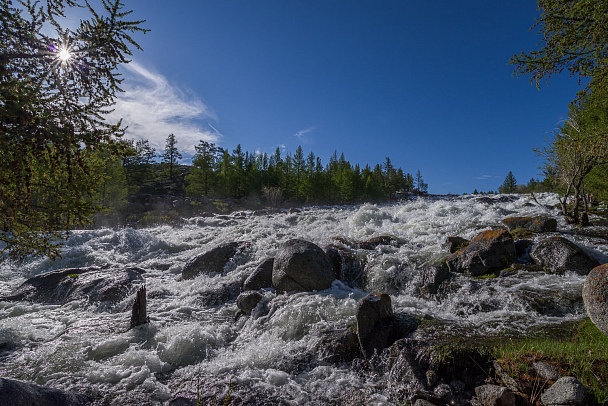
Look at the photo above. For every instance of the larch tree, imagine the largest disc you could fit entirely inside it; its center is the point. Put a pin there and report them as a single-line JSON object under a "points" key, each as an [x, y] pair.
{"points": [[56, 86], [171, 155], [573, 38]]}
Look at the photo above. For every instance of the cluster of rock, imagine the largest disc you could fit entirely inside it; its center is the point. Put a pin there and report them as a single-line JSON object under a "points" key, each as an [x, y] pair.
{"points": [[496, 251], [381, 341]]}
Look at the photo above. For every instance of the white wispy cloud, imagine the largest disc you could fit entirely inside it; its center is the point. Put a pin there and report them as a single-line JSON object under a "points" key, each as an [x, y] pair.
{"points": [[153, 108], [300, 134], [485, 177]]}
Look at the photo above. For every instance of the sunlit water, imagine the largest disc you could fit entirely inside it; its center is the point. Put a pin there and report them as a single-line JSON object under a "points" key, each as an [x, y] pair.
{"points": [[191, 347]]}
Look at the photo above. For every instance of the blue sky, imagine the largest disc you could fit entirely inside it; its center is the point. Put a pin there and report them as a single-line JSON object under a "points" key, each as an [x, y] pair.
{"points": [[426, 83]]}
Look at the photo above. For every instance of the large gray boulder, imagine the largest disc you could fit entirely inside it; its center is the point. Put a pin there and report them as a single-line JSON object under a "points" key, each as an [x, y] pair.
{"points": [[488, 251], [17, 393], [93, 285], [217, 260], [558, 255], [566, 391], [538, 224], [595, 296], [301, 266]]}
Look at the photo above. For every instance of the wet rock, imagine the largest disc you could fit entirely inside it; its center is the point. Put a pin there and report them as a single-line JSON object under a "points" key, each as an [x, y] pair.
{"points": [[430, 279], [339, 346], [375, 242], [546, 371], [301, 266], [454, 243], [247, 301], [260, 278], [565, 391], [377, 326], [494, 395], [216, 260], [93, 285], [538, 224], [219, 296], [558, 255], [17, 393], [488, 251], [522, 251], [595, 296], [348, 266], [404, 366]]}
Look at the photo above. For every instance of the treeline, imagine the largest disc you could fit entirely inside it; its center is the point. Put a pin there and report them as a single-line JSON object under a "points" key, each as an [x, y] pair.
{"points": [[220, 173]]}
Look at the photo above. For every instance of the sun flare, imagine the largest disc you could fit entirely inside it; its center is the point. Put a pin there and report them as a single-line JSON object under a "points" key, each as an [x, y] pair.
{"points": [[64, 55]]}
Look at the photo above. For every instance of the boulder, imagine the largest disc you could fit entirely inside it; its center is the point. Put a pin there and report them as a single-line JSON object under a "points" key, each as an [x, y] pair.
{"points": [[339, 346], [301, 266], [348, 266], [260, 278], [377, 326], [538, 224], [494, 395], [93, 285], [595, 296], [17, 393], [558, 255], [247, 301], [216, 260], [429, 280], [490, 250], [565, 391], [546, 371], [454, 243]]}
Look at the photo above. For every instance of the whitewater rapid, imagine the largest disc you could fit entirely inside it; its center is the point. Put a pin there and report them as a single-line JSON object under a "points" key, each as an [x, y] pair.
{"points": [[191, 345]]}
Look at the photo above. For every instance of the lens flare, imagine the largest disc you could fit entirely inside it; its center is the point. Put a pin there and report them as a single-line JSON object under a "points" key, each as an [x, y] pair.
{"points": [[64, 55]]}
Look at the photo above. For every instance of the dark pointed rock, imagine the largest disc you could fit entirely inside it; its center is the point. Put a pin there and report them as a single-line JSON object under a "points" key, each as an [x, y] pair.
{"points": [[260, 278]]}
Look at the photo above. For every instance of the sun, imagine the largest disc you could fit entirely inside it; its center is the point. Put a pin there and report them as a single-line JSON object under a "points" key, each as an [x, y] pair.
{"points": [[64, 55]]}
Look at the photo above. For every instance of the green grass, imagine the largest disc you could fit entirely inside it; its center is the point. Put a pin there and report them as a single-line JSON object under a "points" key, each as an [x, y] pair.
{"points": [[581, 352]]}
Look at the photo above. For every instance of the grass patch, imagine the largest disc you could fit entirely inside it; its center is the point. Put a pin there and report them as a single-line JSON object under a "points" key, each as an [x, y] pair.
{"points": [[521, 234], [581, 352]]}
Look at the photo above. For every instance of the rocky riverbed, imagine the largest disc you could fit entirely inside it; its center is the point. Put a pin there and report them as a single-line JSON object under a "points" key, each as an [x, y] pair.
{"points": [[394, 304]]}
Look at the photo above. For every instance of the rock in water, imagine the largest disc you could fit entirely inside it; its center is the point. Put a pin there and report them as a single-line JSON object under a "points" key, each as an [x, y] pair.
{"points": [[248, 300], [374, 317], [539, 224], [595, 296], [17, 393], [488, 251], [215, 260], [260, 278], [139, 313], [93, 285], [558, 255], [301, 266]]}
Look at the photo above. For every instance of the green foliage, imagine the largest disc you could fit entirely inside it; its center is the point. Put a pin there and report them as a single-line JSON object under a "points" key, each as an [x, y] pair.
{"points": [[51, 117], [574, 38], [171, 155], [582, 352], [217, 173], [509, 185]]}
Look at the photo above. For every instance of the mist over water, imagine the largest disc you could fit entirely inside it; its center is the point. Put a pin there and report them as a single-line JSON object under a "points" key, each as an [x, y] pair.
{"points": [[193, 345]]}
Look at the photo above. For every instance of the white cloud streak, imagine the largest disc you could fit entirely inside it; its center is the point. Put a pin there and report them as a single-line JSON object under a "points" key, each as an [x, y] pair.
{"points": [[300, 134], [153, 108]]}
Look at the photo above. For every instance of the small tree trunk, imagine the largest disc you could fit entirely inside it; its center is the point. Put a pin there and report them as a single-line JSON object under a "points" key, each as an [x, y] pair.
{"points": [[139, 314]]}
